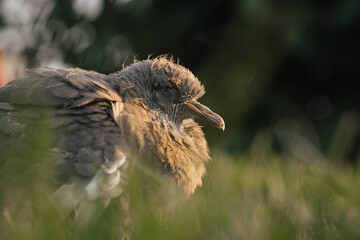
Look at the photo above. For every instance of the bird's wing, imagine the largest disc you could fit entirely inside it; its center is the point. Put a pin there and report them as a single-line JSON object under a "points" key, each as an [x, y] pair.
{"points": [[58, 87], [75, 114]]}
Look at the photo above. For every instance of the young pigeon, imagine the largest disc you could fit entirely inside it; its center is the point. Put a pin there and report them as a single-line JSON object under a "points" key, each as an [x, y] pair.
{"points": [[96, 120]]}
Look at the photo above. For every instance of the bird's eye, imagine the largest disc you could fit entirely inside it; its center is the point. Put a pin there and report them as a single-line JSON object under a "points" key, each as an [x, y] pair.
{"points": [[184, 98], [181, 100]]}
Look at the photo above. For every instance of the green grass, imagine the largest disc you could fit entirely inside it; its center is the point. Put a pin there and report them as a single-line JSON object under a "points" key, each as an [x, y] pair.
{"points": [[240, 199]]}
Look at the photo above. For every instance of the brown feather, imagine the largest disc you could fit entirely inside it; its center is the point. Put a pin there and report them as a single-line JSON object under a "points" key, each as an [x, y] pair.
{"points": [[96, 119]]}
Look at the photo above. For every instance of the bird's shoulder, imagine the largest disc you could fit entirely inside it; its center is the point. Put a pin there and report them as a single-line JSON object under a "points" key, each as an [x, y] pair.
{"points": [[71, 87]]}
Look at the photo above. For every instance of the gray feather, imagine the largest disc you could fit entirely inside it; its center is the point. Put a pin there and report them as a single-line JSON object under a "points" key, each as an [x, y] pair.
{"points": [[92, 121]]}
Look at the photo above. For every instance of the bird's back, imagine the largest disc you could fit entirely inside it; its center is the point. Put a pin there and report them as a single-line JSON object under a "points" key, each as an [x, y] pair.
{"points": [[65, 120]]}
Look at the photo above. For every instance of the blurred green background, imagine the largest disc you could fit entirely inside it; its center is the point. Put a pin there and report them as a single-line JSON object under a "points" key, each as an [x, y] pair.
{"points": [[282, 74]]}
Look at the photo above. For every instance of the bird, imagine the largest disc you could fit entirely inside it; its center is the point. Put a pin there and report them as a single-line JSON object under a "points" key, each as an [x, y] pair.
{"points": [[97, 122]]}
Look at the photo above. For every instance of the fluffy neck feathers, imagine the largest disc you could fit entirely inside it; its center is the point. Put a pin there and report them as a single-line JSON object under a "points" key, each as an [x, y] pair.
{"points": [[179, 153]]}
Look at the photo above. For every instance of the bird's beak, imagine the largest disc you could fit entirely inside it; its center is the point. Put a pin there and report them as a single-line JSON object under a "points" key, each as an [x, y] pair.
{"points": [[206, 114]]}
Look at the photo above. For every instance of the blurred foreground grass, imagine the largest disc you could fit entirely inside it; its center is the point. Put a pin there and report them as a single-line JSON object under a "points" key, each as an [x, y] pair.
{"points": [[240, 199]]}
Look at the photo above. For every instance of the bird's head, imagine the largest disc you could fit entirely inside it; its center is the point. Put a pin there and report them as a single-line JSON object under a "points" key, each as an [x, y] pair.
{"points": [[171, 90]]}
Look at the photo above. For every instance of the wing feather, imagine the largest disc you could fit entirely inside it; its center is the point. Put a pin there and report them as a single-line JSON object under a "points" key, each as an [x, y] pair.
{"points": [[58, 87], [80, 108]]}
